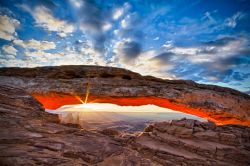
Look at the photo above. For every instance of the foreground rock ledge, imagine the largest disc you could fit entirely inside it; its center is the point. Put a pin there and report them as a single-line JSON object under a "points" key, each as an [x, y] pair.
{"points": [[57, 86], [30, 136]]}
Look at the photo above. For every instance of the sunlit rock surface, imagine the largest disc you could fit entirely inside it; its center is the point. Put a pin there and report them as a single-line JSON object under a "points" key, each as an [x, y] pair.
{"points": [[31, 136], [57, 86]]}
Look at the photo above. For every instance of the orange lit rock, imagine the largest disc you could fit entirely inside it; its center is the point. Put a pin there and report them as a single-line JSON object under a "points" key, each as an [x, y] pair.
{"points": [[53, 101]]}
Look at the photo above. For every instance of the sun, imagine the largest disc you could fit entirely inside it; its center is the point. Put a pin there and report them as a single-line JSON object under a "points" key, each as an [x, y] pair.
{"points": [[88, 105]]}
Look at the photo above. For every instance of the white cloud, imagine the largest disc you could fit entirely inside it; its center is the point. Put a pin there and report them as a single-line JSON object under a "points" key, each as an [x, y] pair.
{"points": [[13, 62], [130, 21], [142, 63], [184, 51], [118, 13], [146, 65], [76, 3], [168, 45], [45, 19], [9, 49], [124, 23], [19, 42], [106, 26], [208, 53], [32, 59], [208, 24], [8, 27], [156, 38], [35, 44], [232, 21], [228, 50], [208, 16], [43, 54]]}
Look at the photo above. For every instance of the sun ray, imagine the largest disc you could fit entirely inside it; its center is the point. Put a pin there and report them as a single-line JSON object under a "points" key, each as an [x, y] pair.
{"points": [[87, 92]]}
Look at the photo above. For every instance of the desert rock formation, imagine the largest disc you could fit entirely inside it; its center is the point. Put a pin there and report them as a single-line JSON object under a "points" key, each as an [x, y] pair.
{"points": [[57, 86], [31, 136]]}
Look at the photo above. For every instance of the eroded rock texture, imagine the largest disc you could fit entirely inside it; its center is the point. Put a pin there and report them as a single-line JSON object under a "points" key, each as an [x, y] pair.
{"points": [[30, 136], [57, 86], [190, 142]]}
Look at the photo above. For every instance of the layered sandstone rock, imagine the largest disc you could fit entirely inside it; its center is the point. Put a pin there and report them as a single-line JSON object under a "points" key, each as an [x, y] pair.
{"points": [[190, 142], [57, 86], [30, 136]]}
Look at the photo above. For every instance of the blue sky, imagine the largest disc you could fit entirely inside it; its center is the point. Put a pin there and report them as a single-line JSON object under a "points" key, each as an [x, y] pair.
{"points": [[203, 40]]}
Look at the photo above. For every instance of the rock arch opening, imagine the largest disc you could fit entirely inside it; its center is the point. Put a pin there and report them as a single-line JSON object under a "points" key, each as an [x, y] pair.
{"points": [[102, 116], [54, 101], [123, 114]]}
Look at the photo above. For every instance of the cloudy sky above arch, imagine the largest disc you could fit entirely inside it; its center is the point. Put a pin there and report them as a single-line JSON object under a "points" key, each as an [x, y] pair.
{"points": [[201, 40]]}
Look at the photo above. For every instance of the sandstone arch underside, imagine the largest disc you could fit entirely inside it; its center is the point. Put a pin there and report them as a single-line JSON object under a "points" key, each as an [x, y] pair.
{"points": [[57, 86]]}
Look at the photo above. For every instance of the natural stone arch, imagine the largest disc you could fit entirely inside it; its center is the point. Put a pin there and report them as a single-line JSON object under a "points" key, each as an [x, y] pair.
{"points": [[57, 86]]}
